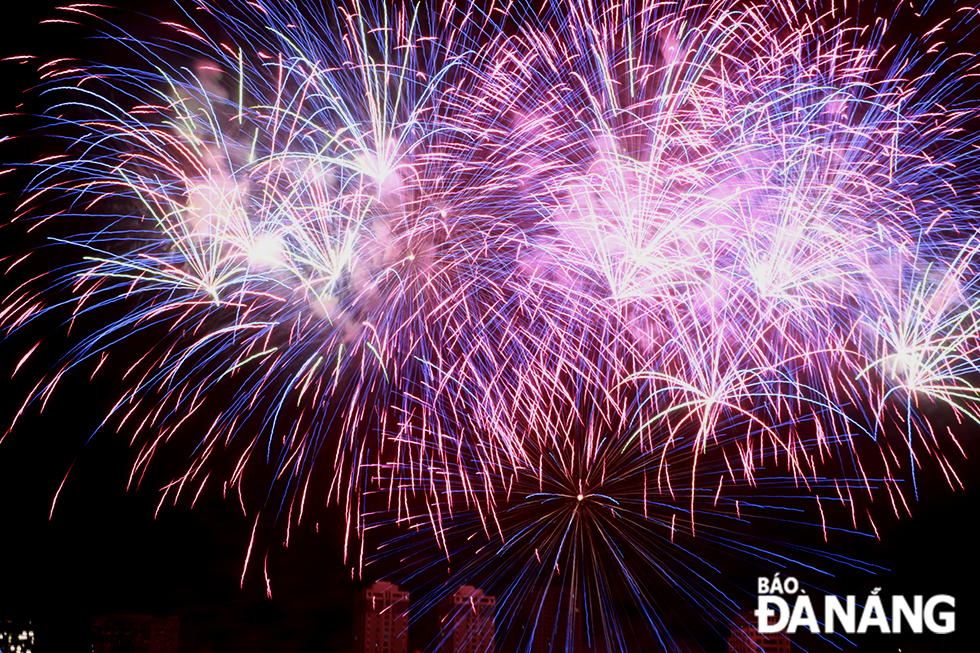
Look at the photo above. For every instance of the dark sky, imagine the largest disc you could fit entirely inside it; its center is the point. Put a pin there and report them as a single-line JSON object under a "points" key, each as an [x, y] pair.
{"points": [[104, 550]]}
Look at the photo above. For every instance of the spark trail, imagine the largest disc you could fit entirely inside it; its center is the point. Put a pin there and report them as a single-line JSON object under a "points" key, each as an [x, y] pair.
{"points": [[445, 253]]}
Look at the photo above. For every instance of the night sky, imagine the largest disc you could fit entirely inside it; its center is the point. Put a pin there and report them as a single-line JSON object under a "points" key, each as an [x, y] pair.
{"points": [[107, 550]]}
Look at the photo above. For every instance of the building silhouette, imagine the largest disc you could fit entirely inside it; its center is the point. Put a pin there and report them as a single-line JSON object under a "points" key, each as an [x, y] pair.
{"points": [[381, 619], [16, 637], [467, 622], [746, 638], [135, 633]]}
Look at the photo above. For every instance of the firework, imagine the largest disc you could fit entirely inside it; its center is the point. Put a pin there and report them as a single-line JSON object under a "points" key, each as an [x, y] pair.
{"points": [[301, 227], [592, 547], [448, 254]]}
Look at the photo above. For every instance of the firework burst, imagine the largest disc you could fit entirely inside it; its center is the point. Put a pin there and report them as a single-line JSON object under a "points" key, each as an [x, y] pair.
{"points": [[448, 254]]}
